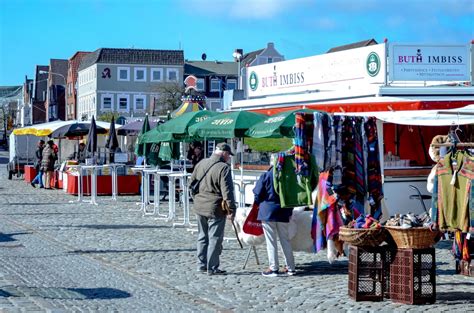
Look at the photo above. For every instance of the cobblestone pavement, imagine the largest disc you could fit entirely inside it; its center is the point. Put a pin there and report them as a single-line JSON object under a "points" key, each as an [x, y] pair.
{"points": [[58, 256]]}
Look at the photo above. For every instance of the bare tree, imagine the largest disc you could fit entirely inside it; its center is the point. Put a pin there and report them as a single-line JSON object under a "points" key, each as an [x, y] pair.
{"points": [[168, 98]]}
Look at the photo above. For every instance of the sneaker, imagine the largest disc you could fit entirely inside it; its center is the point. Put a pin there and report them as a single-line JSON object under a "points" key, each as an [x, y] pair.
{"points": [[289, 273], [216, 272], [270, 273], [202, 268], [33, 185]]}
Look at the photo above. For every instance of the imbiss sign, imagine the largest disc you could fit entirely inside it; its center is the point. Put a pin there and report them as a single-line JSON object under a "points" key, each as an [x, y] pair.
{"points": [[328, 72], [429, 63]]}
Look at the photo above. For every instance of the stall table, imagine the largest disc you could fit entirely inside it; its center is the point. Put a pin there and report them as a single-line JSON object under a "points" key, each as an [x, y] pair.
{"points": [[126, 185]]}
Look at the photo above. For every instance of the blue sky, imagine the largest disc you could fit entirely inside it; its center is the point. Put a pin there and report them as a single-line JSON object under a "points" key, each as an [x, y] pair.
{"points": [[35, 31]]}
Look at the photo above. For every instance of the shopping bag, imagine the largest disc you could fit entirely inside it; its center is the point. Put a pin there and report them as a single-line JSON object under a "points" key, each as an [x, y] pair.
{"points": [[252, 225]]}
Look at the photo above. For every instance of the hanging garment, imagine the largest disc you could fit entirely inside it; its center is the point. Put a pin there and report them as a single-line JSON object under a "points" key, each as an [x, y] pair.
{"points": [[319, 140], [347, 188], [337, 177], [304, 125], [326, 217], [359, 165], [453, 191], [374, 173], [294, 190]]}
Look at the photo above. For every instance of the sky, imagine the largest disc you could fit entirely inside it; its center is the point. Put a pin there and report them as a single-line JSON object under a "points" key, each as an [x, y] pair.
{"points": [[34, 31]]}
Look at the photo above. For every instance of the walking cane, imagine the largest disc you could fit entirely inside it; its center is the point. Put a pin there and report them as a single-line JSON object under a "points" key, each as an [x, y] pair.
{"points": [[225, 207]]}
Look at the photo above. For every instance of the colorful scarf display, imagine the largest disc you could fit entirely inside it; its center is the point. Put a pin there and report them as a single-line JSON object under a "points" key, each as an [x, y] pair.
{"points": [[326, 216], [304, 125], [374, 173]]}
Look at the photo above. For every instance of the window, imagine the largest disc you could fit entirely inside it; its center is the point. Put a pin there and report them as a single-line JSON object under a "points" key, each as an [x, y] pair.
{"points": [[231, 84], [172, 74], [215, 84], [140, 74], [156, 74], [140, 102], [215, 105], [123, 74], [123, 102], [200, 84], [270, 60]]}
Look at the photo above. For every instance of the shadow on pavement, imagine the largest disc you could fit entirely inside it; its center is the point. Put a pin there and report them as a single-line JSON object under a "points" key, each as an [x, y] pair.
{"points": [[454, 297], [9, 237], [132, 251], [64, 293], [323, 268], [37, 203], [122, 226]]}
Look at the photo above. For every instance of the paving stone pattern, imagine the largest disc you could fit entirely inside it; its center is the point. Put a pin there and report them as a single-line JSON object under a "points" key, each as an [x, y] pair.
{"points": [[58, 256]]}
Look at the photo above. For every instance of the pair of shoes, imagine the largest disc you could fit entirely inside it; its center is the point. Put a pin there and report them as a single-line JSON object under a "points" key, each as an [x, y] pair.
{"points": [[270, 273], [216, 272], [202, 269], [33, 185], [288, 272]]}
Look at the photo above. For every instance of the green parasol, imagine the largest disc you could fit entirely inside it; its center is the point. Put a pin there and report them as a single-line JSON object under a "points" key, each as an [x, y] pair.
{"points": [[276, 126], [142, 149], [226, 125], [176, 129]]}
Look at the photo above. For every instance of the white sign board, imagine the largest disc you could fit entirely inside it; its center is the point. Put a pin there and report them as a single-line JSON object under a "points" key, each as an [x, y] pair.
{"points": [[328, 72], [429, 62], [120, 158]]}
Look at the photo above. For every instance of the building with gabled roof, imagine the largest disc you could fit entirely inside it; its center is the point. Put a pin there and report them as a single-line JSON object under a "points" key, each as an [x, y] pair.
{"points": [[359, 44], [213, 78], [125, 81]]}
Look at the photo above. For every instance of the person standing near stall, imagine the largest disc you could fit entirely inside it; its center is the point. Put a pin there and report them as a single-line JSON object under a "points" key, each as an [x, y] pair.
{"points": [[215, 188], [275, 221], [39, 156], [49, 157]]}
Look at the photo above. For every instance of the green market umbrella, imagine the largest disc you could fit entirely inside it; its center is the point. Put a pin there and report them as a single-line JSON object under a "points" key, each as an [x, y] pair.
{"points": [[142, 149], [226, 125], [276, 126], [176, 129]]}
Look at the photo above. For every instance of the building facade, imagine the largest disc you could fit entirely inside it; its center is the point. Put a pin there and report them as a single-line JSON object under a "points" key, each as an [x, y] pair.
{"points": [[56, 93], [125, 81], [40, 87], [213, 78], [71, 86]]}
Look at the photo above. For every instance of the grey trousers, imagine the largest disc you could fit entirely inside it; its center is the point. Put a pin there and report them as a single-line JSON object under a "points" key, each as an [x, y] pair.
{"points": [[209, 241], [271, 230]]}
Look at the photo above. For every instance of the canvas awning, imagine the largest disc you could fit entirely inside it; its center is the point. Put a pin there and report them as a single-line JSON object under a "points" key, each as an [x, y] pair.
{"points": [[45, 129], [460, 116]]}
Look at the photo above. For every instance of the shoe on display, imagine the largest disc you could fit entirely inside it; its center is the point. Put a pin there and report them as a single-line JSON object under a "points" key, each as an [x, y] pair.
{"points": [[216, 272], [270, 273]]}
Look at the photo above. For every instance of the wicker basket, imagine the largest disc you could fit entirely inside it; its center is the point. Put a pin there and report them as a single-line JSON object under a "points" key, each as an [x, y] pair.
{"points": [[362, 237], [414, 238]]}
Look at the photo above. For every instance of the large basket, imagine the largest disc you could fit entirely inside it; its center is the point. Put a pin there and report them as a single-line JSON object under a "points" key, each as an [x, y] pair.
{"points": [[414, 237], [362, 237]]}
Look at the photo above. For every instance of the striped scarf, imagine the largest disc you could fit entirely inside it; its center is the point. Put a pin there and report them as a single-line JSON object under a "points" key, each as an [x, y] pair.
{"points": [[374, 173], [303, 142]]}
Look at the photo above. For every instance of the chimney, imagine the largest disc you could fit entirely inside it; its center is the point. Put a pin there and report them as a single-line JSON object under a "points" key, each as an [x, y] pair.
{"points": [[270, 45]]}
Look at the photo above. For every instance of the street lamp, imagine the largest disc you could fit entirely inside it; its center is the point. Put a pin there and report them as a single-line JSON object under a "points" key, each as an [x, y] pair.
{"points": [[65, 87], [238, 57]]}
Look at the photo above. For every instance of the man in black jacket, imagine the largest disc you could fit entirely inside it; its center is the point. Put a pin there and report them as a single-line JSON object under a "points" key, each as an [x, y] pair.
{"points": [[39, 156]]}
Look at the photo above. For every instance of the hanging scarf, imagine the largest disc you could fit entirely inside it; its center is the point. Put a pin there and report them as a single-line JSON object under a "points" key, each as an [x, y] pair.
{"points": [[319, 146], [348, 175], [303, 141], [326, 217], [374, 174], [359, 165], [337, 180]]}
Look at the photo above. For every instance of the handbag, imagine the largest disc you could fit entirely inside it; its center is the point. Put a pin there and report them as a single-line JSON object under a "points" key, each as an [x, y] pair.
{"points": [[194, 185], [252, 225]]}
